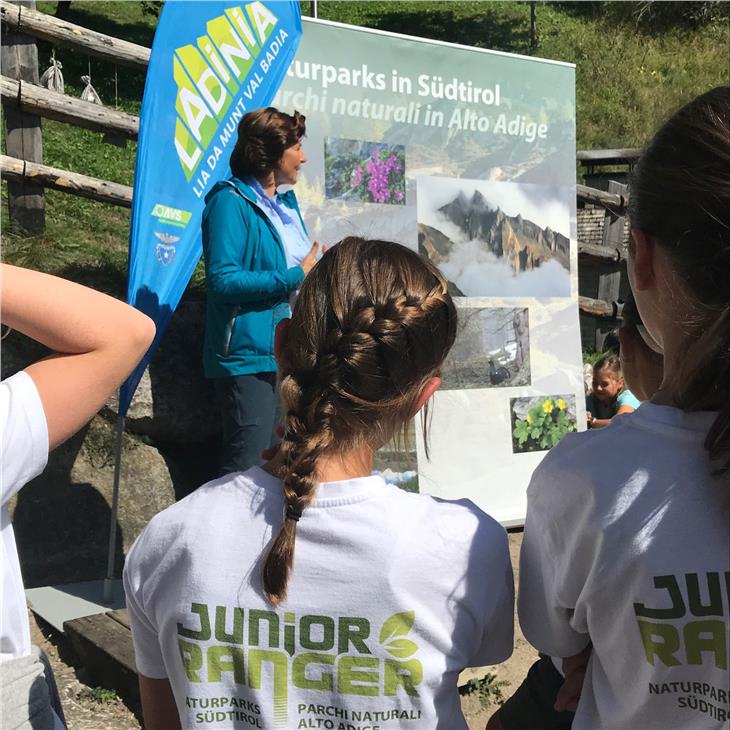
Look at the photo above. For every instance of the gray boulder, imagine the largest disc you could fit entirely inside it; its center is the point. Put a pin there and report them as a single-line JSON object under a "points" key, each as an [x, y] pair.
{"points": [[62, 518]]}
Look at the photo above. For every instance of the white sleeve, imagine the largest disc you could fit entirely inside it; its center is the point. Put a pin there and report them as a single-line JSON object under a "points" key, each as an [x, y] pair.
{"points": [[499, 623], [554, 561], [23, 434], [147, 651]]}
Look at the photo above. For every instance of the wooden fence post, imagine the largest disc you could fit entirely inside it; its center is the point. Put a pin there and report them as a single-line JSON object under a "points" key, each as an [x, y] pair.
{"points": [[23, 137], [609, 280]]}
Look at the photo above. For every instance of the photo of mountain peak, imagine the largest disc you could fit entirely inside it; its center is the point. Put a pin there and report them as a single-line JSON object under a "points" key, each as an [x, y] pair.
{"points": [[496, 239]]}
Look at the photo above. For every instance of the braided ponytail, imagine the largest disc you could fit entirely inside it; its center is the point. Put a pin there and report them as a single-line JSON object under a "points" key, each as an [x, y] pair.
{"points": [[372, 324], [307, 435]]}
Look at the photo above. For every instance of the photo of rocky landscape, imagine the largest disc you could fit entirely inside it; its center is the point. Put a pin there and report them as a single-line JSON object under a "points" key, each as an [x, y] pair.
{"points": [[492, 349], [496, 239]]}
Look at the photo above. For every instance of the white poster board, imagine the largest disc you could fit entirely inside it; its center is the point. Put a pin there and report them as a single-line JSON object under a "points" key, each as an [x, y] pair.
{"points": [[467, 156]]}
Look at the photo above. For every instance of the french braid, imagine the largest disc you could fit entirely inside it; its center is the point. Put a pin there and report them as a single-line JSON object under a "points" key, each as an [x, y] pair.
{"points": [[373, 322]]}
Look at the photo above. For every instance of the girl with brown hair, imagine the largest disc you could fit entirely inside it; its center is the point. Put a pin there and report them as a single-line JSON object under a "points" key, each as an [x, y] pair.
{"points": [[634, 558], [611, 397], [310, 593]]}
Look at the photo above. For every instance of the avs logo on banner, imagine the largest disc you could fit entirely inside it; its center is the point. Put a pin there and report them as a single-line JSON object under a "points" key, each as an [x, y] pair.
{"points": [[211, 63]]}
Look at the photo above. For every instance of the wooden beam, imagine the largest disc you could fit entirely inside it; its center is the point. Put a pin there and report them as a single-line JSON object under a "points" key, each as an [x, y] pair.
{"points": [[600, 197], [627, 155], [62, 32], [599, 308], [69, 109], [67, 182], [121, 616], [604, 253], [614, 229], [104, 647]]}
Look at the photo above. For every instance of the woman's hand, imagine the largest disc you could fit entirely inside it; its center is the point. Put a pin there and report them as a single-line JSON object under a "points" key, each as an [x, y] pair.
{"points": [[311, 258]]}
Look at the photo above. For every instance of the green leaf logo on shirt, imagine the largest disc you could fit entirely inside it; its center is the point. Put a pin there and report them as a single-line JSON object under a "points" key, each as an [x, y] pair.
{"points": [[392, 631]]}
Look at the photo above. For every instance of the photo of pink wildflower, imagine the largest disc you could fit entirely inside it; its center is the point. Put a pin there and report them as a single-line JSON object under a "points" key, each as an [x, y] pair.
{"points": [[367, 172]]}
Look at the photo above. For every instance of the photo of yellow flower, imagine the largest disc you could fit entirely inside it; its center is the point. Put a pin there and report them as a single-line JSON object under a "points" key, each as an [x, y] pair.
{"points": [[540, 422]]}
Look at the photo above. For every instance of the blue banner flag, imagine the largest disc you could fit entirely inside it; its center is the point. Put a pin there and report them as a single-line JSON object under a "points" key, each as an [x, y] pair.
{"points": [[211, 63]]}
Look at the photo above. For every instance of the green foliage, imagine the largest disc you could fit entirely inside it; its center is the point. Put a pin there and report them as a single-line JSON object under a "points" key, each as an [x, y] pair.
{"points": [[410, 485], [653, 17], [626, 82], [544, 426], [103, 695], [488, 689], [629, 75], [591, 357], [151, 7]]}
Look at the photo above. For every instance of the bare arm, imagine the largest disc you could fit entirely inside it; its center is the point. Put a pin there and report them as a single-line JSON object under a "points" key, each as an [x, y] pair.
{"points": [[574, 671], [158, 704], [601, 422], [97, 341]]}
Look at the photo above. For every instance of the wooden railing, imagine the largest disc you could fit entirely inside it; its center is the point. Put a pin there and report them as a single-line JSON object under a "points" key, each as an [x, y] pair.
{"points": [[40, 101], [36, 101], [20, 19]]}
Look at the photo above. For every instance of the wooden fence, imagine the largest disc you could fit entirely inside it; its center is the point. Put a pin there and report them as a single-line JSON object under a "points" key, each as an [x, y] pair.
{"points": [[601, 257]]}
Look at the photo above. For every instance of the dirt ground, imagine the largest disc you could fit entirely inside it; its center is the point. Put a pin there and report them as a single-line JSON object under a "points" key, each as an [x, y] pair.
{"points": [[85, 707], [89, 708], [511, 672]]}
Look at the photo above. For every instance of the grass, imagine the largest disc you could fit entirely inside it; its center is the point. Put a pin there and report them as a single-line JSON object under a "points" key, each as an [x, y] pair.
{"points": [[626, 80]]}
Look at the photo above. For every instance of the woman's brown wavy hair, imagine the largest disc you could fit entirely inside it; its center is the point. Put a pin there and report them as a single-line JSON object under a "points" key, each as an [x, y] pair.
{"points": [[263, 136]]}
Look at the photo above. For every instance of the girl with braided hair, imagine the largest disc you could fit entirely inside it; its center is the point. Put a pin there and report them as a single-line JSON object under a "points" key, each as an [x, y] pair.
{"points": [[634, 559], [309, 593]]}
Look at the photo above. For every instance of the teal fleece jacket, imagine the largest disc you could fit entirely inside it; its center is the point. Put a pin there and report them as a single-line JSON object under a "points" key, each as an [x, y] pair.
{"points": [[247, 280]]}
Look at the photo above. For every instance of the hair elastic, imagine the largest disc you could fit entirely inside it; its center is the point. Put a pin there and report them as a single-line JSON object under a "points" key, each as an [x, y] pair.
{"points": [[292, 513]]}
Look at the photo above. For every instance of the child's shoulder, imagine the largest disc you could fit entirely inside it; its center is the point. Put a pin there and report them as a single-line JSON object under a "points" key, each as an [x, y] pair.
{"points": [[456, 521], [203, 506], [580, 459], [627, 398]]}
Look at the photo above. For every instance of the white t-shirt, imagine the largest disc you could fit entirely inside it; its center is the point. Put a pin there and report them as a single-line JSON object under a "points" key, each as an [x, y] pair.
{"points": [[23, 455], [391, 595], [627, 545]]}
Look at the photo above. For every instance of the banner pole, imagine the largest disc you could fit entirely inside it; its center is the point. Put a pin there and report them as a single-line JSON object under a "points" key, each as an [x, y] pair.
{"points": [[109, 580]]}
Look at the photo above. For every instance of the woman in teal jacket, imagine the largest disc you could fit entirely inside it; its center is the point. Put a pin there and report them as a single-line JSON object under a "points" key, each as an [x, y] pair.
{"points": [[257, 252]]}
